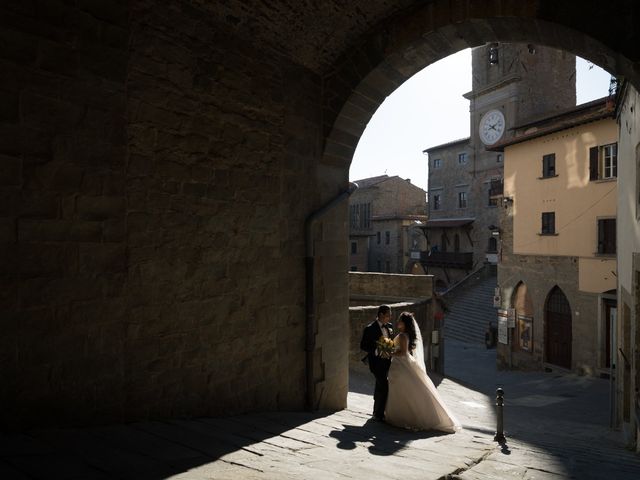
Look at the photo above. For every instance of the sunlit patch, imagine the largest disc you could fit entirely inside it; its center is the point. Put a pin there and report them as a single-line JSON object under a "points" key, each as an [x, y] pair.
{"points": [[473, 405]]}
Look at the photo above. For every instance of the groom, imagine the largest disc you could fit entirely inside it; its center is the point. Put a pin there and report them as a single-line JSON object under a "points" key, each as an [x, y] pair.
{"points": [[379, 366]]}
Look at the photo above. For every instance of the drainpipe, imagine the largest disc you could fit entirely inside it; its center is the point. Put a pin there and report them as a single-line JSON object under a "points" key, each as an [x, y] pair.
{"points": [[310, 321]]}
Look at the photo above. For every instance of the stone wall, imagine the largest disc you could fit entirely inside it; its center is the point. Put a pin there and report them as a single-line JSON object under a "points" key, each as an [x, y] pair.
{"points": [[387, 287], [541, 274], [157, 175]]}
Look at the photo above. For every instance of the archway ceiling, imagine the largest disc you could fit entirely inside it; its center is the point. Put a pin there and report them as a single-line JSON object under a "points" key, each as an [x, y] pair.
{"points": [[310, 32], [316, 33]]}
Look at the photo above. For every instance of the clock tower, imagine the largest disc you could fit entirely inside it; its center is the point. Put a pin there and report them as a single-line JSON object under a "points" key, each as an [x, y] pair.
{"points": [[512, 84]]}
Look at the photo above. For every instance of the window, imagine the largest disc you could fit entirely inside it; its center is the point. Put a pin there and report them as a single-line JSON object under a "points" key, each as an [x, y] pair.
{"points": [[360, 216], [607, 236], [603, 162], [499, 158], [378, 238], [549, 165], [462, 199], [436, 202], [437, 163], [387, 237], [493, 202], [548, 223], [493, 245], [462, 158], [610, 160], [496, 188], [354, 247]]}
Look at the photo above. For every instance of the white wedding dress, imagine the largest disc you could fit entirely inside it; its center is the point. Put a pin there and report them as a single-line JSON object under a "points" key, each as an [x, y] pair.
{"points": [[413, 400]]}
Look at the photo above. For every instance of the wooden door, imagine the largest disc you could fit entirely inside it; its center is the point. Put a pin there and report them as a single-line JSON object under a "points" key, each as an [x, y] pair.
{"points": [[558, 329]]}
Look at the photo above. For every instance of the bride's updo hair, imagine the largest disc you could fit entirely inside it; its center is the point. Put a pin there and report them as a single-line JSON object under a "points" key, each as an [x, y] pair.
{"points": [[407, 318]]}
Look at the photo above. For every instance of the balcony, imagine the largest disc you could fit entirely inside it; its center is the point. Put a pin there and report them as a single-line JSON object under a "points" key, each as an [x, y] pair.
{"points": [[462, 260]]}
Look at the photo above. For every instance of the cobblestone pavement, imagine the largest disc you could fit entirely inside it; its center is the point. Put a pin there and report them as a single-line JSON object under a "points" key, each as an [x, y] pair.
{"points": [[555, 425]]}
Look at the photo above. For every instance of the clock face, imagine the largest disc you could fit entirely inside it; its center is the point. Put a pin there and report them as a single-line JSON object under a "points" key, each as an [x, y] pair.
{"points": [[491, 127]]}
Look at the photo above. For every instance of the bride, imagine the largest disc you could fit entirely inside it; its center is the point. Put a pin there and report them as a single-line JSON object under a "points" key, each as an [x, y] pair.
{"points": [[413, 400]]}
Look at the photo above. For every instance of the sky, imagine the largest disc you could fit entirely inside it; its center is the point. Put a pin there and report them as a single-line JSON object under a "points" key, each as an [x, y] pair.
{"points": [[428, 109]]}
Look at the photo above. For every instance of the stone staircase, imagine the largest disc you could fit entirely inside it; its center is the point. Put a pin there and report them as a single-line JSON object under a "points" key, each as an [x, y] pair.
{"points": [[470, 307]]}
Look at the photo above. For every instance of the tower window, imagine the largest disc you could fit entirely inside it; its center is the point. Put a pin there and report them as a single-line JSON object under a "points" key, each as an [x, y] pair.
{"points": [[462, 199]]}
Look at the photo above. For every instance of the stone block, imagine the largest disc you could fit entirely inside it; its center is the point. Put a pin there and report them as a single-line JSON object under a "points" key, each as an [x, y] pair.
{"points": [[35, 205], [18, 46], [11, 139], [9, 106], [40, 260], [100, 207], [102, 258], [57, 58], [10, 170], [47, 113], [114, 230], [8, 230]]}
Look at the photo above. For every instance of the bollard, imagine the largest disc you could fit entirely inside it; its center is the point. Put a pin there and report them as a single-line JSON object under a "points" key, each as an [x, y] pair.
{"points": [[499, 437]]}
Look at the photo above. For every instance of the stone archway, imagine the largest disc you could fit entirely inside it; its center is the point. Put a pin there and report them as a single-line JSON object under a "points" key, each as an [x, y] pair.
{"points": [[414, 38], [403, 45], [161, 160]]}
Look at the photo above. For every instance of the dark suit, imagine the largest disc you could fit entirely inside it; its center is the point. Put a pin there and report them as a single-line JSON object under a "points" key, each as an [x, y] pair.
{"points": [[379, 366]]}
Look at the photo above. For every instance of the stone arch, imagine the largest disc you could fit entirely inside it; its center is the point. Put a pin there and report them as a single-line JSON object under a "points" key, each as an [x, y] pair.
{"points": [[558, 328], [404, 44]]}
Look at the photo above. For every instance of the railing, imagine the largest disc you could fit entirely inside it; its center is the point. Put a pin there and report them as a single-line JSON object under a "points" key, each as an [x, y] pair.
{"points": [[462, 260]]}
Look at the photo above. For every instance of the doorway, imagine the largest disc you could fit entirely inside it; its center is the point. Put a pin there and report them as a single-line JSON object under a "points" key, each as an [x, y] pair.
{"points": [[558, 329]]}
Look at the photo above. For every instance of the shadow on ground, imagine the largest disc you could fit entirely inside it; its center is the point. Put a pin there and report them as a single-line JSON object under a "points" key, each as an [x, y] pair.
{"points": [[384, 439]]}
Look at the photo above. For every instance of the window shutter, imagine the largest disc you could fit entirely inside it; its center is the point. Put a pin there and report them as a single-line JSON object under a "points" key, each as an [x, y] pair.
{"points": [[593, 163], [601, 235], [611, 236]]}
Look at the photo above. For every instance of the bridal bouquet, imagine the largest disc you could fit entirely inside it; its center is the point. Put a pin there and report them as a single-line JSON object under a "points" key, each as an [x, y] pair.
{"points": [[386, 347]]}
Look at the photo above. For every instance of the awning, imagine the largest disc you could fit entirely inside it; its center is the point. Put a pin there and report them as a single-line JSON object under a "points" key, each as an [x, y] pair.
{"points": [[448, 222]]}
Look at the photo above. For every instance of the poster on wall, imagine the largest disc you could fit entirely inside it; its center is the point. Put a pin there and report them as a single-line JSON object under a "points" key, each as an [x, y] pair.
{"points": [[525, 332], [503, 337]]}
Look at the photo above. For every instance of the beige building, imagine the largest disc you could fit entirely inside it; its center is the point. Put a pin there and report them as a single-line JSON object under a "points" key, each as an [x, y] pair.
{"points": [[384, 213], [626, 412], [557, 267]]}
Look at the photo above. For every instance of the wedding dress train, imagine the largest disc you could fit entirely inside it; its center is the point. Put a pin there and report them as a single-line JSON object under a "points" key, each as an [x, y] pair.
{"points": [[414, 401]]}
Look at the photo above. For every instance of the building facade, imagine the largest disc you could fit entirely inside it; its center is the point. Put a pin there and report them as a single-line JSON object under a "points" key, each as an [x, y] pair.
{"points": [[557, 270], [626, 411], [384, 212], [511, 83]]}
